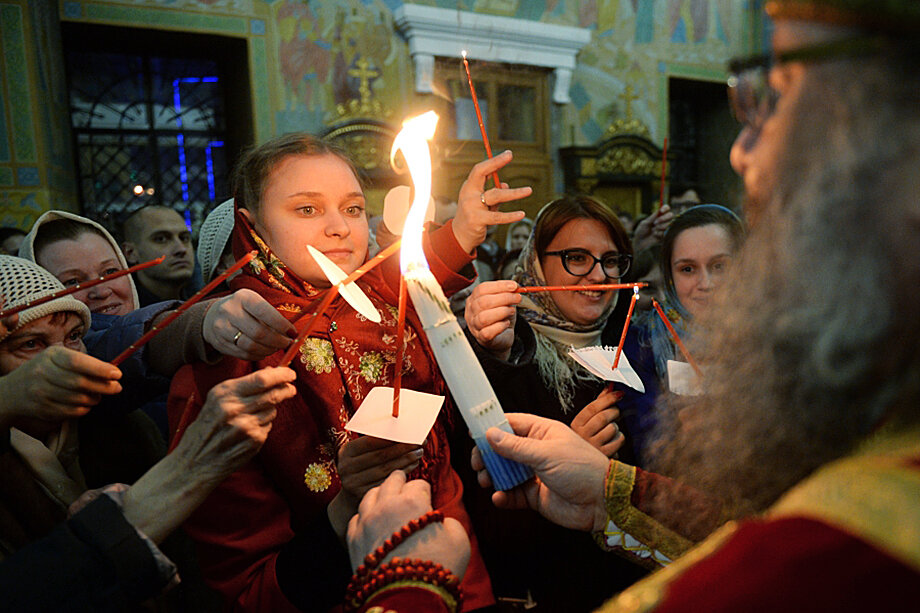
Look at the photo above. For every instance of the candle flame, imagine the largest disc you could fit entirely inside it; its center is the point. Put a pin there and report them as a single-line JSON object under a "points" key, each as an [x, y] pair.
{"points": [[412, 140], [463, 53]]}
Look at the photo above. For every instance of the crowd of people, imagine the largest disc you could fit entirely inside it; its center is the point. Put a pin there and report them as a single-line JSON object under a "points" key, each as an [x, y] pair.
{"points": [[205, 474]]}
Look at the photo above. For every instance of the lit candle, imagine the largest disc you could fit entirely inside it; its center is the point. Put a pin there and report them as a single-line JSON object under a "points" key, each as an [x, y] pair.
{"points": [[482, 127], [467, 382], [599, 287], [73, 289], [400, 346], [677, 341], [632, 304], [204, 291]]}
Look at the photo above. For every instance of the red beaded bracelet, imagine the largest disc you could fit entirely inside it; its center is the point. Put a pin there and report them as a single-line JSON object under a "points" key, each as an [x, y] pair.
{"points": [[375, 557], [402, 570]]}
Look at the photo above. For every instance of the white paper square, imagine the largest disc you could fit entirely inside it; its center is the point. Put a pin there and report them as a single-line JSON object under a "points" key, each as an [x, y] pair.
{"points": [[599, 362], [682, 379], [417, 414]]}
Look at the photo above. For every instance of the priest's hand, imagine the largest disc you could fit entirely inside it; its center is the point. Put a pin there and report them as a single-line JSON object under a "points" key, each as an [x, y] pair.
{"points": [[491, 311], [477, 208], [246, 326], [569, 485], [596, 423], [57, 384], [392, 505]]}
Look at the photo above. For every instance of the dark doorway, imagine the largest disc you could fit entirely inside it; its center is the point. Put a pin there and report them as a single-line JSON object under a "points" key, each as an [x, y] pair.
{"points": [[158, 117], [701, 134]]}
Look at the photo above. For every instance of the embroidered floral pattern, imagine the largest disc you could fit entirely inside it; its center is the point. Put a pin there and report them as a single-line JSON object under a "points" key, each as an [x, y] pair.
{"points": [[287, 307], [316, 354], [371, 366], [317, 477]]}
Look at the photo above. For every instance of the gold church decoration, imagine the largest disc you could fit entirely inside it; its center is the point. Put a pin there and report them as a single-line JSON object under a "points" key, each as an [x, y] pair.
{"points": [[366, 106]]}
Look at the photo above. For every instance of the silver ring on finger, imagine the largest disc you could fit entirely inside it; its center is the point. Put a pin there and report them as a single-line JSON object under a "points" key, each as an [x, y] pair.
{"points": [[236, 337], [482, 198]]}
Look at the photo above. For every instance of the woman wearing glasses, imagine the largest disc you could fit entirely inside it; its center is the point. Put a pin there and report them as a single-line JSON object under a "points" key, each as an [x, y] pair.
{"points": [[522, 341]]}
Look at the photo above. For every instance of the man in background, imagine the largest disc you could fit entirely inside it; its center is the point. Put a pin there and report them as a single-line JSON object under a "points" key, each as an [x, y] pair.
{"points": [[153, 231]]}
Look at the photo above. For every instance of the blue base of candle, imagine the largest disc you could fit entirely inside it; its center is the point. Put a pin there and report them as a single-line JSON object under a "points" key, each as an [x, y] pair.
{"points": [[505, 473]]}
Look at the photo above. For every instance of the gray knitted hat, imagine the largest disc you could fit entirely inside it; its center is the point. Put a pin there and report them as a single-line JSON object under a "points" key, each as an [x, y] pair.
{"points": [[22, 281], [213, 237]]}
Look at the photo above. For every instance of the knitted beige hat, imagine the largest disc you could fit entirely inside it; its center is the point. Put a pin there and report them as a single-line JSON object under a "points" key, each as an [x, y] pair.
{"points": [[213, 237], [22, 281]]}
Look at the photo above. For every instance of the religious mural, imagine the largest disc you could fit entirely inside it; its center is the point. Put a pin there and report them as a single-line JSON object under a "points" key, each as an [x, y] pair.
{"points": [[314, 63]]}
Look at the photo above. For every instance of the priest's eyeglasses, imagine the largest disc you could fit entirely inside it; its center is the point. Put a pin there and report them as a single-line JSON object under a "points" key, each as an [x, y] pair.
{"points": [[580, 262], [750, 95]]}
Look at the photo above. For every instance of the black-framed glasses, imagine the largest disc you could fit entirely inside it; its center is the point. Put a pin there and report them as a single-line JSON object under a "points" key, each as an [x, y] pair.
{"points": [[580, 262], [750, 95]]}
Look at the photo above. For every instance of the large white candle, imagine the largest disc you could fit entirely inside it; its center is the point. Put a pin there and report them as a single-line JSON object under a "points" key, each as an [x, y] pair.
{"points": [[467, 382]]}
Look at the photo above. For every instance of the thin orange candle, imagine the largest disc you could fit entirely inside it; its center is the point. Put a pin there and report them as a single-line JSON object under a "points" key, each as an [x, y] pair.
{"points": [[599, 287], [677, 341], [204, 291], [330, 296], [664, 165], [401, 345], [482, 127], [632, 304], [79, 286]]}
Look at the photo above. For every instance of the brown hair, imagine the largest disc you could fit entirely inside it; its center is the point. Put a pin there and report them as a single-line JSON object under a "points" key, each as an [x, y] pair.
{"points": [[252, 171], [563, 210], [62, 229]]}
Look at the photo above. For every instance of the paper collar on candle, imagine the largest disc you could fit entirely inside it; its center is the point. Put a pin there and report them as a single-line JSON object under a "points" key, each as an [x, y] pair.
{"points": [[682, 380], [350, 292], [599, 362], [417, 414]]}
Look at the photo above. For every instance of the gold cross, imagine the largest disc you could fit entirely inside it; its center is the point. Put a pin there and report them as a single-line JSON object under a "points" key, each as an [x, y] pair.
{"points": [[364, 73], [628, 96]]}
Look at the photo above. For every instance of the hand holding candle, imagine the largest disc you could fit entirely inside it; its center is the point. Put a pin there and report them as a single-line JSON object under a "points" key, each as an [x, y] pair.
{"points": [[467, 382], [204, 291]]}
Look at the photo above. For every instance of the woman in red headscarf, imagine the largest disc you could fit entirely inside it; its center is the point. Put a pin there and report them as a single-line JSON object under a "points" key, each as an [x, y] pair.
{"points": [[270, 537]]}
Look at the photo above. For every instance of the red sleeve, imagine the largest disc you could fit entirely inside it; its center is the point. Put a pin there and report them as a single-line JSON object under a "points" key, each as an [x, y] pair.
{"points": [[446, 258], [793, 564], [658, 496]]}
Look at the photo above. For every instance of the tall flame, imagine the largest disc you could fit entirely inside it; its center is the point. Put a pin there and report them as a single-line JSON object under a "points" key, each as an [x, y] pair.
{"points": [[412, 140]]}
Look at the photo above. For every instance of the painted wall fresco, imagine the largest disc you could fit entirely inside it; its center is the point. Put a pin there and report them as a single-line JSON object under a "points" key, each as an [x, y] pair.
{"points": [[308, 57]]}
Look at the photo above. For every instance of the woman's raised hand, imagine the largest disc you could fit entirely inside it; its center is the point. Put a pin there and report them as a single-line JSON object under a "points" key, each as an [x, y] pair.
{"points": [[491, 311], [477, 208]]}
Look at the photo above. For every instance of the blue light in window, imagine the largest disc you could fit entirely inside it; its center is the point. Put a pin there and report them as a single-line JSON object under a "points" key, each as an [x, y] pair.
{"points": [[180, 139], [210, 163]]}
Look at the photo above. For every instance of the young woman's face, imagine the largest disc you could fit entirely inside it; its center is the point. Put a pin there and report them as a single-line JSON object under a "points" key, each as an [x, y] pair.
{"points": [[313, 200], [590, 234], [701, 257], [89, 257]]}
